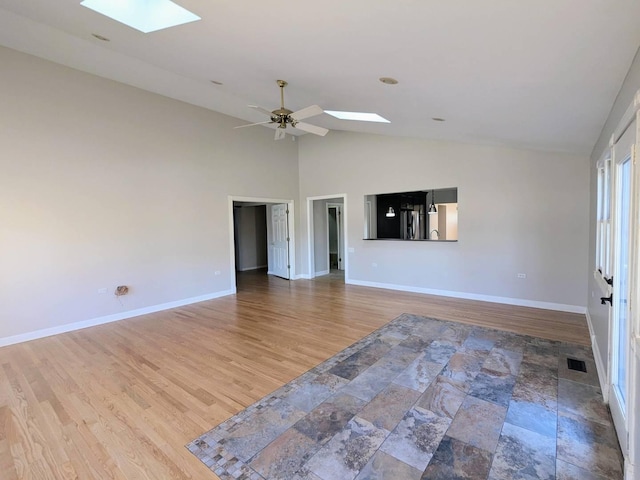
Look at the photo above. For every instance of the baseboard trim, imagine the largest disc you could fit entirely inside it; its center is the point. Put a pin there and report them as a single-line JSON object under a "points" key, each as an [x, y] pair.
{"points": [[307, 276], [589, 324], [521, 302], [247, 269], [597, 356], [629, 470], [70, 327]]}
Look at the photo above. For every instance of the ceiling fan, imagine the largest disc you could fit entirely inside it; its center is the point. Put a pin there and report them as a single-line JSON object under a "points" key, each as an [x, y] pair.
{"points": [[283, 117]]}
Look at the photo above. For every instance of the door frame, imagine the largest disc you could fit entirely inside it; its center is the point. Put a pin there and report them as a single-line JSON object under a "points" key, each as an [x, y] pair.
{"points": [[339, 208], [632, 421], [310, 242], [268, 201]]}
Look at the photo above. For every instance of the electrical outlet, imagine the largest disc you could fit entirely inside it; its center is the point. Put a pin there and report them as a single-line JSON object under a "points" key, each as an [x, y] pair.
{"points": [[102, 291], [522, 275], [351, 249], [217, 272]]}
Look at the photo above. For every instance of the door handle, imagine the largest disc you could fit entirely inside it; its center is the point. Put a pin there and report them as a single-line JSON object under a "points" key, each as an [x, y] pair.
{"points": [[609, 299]]}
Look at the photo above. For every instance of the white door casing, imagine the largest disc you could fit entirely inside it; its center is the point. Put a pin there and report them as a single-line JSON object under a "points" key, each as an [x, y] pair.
{"points": [[310, 230], [290, 228], [633, 376]]}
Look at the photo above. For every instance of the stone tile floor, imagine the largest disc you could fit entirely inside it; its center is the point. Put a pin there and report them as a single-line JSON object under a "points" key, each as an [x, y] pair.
{"points": [[426, 399]]}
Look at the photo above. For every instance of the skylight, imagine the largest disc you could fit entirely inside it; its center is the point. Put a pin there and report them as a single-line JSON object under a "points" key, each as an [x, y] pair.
{"points": [[361, 116], [143, 15]]}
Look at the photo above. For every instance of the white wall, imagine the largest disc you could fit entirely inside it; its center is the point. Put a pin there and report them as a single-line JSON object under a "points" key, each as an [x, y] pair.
{"points": [[251, 237], [519, 212], [103, 184]]}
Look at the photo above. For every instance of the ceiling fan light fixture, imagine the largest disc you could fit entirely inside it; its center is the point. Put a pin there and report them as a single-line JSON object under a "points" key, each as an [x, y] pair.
{"points": [[359, 116], [280, 134], [144, 15], [388, 80], [283, 117]]}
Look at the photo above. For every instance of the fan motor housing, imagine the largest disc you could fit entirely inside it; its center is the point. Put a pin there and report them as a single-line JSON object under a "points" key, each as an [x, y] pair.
{"points": [[282, 117]]}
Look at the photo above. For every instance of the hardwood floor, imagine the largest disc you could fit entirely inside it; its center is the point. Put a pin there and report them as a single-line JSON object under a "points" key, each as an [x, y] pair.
{"points": [[120, 401]]}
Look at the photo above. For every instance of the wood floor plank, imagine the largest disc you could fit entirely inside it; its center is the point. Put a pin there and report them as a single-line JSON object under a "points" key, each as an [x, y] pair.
{"points": [[7, 466], [120, 401]]}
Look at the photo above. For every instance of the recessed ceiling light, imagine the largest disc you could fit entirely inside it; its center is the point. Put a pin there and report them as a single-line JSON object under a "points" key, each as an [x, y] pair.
{"points": [[438, 119], [361, 116], [389, 80], [143, 15], [215, 82], [100, 37]]}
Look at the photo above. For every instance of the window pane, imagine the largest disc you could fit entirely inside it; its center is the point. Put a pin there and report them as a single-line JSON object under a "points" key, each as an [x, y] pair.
{"points": [[621, 320]]}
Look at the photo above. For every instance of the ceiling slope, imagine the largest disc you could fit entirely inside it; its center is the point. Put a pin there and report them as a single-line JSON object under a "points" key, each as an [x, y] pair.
{"points": [[525, 74]]}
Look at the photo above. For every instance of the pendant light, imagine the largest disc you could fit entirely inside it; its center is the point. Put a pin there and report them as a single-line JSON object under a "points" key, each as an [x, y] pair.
{"points": [[391, 212], [432, 207]]}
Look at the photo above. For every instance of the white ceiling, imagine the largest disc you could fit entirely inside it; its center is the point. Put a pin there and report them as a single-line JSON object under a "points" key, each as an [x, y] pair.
{"points": [[526, 73]]}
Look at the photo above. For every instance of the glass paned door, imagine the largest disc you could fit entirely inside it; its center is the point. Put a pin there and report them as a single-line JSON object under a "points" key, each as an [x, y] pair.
{"points": [[621, 314], [621, 290]]}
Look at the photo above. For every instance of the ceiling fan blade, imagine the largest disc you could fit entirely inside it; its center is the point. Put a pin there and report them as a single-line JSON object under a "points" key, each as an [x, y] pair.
{"points": [[261, 110], [306, 127], [280, 134], [253, 124], [311, 111]]}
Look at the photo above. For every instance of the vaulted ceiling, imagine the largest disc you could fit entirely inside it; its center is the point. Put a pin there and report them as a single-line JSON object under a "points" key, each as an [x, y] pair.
{"points": [[525, 73]]}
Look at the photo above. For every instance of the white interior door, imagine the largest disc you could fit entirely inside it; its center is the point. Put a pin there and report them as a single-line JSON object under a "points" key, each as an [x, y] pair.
{"points": [[279, 241], [622, 313]]}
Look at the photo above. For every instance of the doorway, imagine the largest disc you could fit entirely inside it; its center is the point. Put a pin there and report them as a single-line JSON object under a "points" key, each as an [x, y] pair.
{"points": [[250, 236], [262, 239], [327, 227], [334, 234]]}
